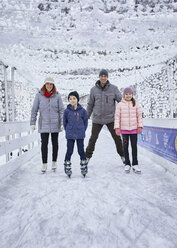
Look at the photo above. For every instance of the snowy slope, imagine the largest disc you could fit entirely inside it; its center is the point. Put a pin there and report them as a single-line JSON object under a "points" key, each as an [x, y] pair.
{"points": [[106, 209]]}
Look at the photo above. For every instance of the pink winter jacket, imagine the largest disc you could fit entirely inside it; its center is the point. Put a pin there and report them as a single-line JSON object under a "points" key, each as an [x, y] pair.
{"points": [[128, 117]]}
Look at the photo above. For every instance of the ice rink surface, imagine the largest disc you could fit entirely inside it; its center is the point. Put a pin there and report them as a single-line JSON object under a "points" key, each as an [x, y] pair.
{"points": [[107, 209]]}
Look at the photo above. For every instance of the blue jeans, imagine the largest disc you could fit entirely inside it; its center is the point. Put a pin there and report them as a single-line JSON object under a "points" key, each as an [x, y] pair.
{"points": [[70, 148]]}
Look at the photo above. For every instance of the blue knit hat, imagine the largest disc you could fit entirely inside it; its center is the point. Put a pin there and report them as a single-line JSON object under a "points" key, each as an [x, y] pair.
{"points": [[74, 93]]}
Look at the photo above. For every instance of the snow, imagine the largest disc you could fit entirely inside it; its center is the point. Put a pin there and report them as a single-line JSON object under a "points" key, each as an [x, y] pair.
{"points": [[108, 208]]}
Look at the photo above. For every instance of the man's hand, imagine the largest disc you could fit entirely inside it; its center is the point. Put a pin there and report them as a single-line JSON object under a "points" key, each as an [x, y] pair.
{"points": [[117, 130]]}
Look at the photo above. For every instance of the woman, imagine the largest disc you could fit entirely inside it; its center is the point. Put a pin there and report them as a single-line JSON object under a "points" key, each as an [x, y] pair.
{"points": [[50, 106]]}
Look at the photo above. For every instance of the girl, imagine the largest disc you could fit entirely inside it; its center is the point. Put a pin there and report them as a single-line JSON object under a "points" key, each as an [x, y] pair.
{"points": [[75, 121], [128, 122], [50, 106]]}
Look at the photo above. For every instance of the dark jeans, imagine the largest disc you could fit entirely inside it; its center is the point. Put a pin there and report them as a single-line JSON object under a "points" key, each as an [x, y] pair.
{"points": [[133, 140], [44, 146], [70, 148], [96, 128]]}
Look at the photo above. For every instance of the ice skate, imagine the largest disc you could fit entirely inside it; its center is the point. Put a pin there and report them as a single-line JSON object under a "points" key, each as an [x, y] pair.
{"points": [[54, 165], [67, 168], [84, 169], [127, 168], [136, 168], [44, 168]]}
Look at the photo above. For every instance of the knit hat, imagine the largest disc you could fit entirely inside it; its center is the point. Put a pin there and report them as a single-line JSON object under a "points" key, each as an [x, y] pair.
{"points": [[49, 80], [74, 93], [103, 72], [128, 90]]}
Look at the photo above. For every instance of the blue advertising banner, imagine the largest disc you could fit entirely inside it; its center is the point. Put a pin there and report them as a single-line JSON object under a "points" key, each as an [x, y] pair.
{"points": [[162, 141]]}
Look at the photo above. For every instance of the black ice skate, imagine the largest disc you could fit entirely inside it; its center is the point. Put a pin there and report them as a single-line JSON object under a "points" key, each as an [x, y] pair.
{"points": [[84, 169], [67, 168]]}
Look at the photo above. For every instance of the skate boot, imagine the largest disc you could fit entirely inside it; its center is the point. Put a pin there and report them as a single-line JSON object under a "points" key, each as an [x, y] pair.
{"points": [[54, 165], [136, 168], [44, 167], [127, 168], [67, 168], [84, 168]]}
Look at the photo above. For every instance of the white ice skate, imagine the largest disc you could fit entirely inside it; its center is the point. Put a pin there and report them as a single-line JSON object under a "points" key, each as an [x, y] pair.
{"points": [[136, 168], [54, 165], [44, 167], [127, 168]]}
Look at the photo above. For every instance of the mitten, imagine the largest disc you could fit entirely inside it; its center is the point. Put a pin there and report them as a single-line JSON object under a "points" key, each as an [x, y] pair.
{"points": [[33, 127]]}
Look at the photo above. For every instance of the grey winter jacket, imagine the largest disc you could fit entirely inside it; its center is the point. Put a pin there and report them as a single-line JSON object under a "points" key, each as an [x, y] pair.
{"points": [[51, 113], [101, 103]]}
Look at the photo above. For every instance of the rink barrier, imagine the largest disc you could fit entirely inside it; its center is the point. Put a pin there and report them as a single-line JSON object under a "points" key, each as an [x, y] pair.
{"points": [[17, 145], [160, 137]]}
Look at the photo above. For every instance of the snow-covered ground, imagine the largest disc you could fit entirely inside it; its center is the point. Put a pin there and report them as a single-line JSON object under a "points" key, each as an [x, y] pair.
{"points": [[108, 208]]}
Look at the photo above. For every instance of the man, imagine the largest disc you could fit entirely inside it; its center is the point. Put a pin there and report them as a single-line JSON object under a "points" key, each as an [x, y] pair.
{"points": [[101, 105]]}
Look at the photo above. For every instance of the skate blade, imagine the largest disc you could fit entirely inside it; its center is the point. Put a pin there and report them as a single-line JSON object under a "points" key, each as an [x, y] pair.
{"points": [[54, 169], [137, 172], [83, 174], [127, 171], [43, 172]]}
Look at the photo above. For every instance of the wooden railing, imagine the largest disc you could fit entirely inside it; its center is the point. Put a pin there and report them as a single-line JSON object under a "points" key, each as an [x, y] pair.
{"points": [[17, 135]]}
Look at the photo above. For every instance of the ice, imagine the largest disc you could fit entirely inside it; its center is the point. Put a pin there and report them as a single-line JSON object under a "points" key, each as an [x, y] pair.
{"points": [[107, 208]]}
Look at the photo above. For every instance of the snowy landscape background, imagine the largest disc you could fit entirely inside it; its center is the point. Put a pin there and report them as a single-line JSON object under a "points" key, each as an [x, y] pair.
{"points": [[71, 40]]}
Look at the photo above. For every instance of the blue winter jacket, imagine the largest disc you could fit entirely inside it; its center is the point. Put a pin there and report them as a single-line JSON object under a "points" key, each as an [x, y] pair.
{"points": [[75, 122]]}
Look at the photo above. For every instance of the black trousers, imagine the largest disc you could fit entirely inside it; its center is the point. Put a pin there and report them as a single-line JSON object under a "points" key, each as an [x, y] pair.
{"points": [[44, 146], [70, 147], [96, 128], [133, 140]]}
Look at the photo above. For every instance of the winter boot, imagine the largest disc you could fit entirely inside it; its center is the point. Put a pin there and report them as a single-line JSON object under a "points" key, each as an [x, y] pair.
{"points": [[44, 167], [84, 169], [54, 165], [136, 168], [127, 168], [67, 168]]}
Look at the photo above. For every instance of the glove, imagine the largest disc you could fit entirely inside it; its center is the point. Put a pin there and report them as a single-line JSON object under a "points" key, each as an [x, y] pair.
{"points": [[140, 129], [117, 130], [62, 127], [33, 127]]}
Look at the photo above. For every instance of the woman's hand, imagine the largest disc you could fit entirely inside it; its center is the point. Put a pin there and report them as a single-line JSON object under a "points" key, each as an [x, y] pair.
{"points": [[33, 127]]}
